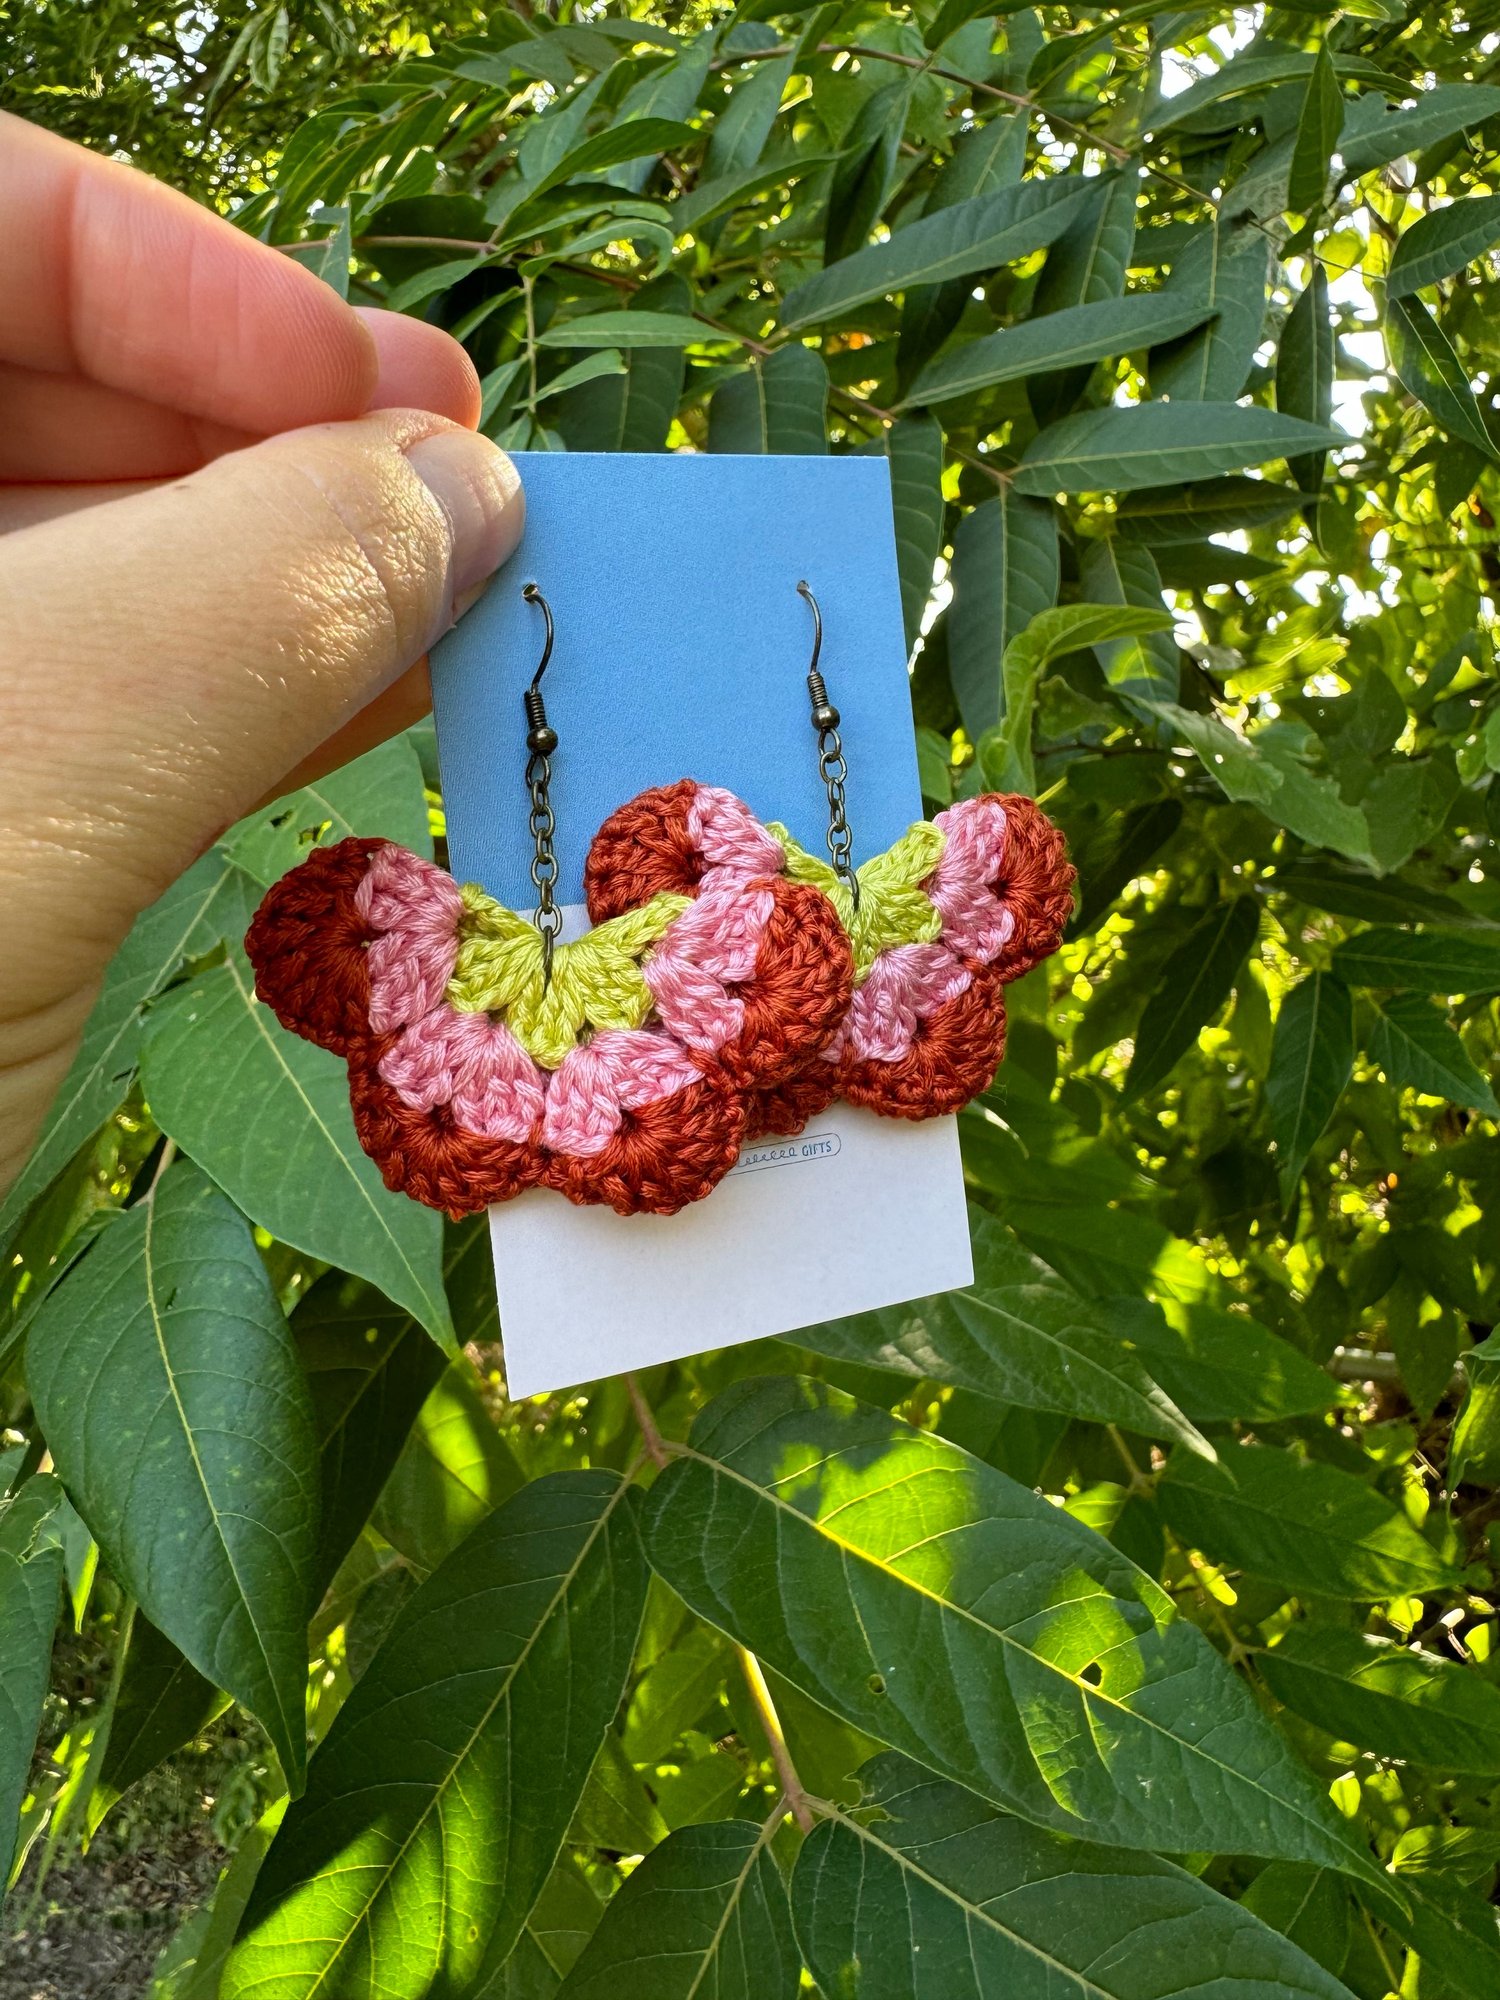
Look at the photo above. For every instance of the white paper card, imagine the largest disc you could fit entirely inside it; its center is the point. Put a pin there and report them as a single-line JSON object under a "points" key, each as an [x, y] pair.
{"points": [[682, 650]]}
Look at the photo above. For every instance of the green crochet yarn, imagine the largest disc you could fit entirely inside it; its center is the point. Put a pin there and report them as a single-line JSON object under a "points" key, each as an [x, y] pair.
{"points": [[596, 980], [892, 908]]}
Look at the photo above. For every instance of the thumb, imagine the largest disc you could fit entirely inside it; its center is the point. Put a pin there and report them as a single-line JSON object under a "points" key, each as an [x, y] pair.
{"points": [[168, 657]]}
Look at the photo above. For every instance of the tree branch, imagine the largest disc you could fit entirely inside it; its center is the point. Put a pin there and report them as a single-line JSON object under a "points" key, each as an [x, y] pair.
{"points": [[796, 1795]]}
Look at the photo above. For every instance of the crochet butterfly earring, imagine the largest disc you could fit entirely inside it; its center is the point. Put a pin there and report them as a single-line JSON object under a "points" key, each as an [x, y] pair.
{"points": [[486, 1056], [938, 925]]}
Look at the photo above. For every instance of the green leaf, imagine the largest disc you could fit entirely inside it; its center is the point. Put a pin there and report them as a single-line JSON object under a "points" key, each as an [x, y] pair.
{"points": [[1455, 1934], [625, 139], [1398, 1701], [1442, 242], [370, 1368], [1423, 358], [705, 1913], [996, 1907], [1004, 573], [1191, 990], [210, 901], [743, 126], [957, 1615], [479, 1717], [592, 369], [1347, 892], [1318, 129], [31, 1577], [1303, 801], [1161, 443], [1420, 961], [1436, 115], [985, 157], [1310, 1906], [778, 405], [1307, 1527], [1035, 1346], [1474, 1449], [1005, 753], [632, 411], [267, 1115], [453, 1470], [673, 1695], [914, 447], [1088, 263], [668, 91], [934, 772], [1234, 78], [167, 1384], [616, 1811], [973, 235], [1418, 1049], [1221, 1366], [1225, 270], [629, 329], [379, 793], [865, 171], [163, 1702], [1115, 572], [701, 211], [1305, 363], [1192, 513], [1312, 1059], [435, 278], [1076, 334], [328, 257]]}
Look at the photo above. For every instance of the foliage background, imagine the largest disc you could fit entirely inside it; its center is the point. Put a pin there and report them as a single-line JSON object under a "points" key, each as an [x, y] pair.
{"points": [[1096, 280]]}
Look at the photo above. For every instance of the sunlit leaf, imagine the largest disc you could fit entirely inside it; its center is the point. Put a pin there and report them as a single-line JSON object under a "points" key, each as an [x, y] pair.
{"points": [[958, 1616], [705, 1913], [267, 1114], [482, 1711], [167, 1382], [1414, 1044], [938, 1896], [1159, 443], [972, 235], [31, 1576], [1399, 1701], [1307, 1526]]}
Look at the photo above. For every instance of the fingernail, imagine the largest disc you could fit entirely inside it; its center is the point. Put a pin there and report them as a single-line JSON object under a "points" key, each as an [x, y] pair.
{"points": [[479, 490]]}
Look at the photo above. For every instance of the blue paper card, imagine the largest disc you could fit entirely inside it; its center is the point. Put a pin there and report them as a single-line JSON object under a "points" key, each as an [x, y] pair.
{"points": [[681, 651]]}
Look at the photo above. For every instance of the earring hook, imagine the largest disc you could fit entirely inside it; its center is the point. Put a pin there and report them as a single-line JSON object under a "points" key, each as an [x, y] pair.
{"points": [[825, 719], [541, 741], [533, 596]]}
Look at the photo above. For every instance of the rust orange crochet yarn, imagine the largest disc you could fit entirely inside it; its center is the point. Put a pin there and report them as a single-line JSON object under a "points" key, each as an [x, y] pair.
{"points": [[640, 1104], [974, 905]]}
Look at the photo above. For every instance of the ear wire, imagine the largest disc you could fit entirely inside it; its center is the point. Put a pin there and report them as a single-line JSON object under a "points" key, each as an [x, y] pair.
{"points": [[541, 741], [825, 719]]}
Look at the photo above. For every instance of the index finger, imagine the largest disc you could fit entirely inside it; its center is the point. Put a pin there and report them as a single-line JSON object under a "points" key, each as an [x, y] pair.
{"points": [[112, 276]]}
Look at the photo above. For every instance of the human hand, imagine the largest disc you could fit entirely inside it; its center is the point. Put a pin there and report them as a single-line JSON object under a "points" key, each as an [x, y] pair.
{"points": [[234, 513]]}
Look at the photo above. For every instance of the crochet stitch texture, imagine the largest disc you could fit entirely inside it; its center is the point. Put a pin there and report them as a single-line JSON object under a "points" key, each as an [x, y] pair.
{"points": [[947, 916], [624, 1080], [731, 987]]}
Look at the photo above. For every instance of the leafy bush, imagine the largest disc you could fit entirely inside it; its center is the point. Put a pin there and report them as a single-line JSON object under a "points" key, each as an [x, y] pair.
{"points": [[1126, 1623]]}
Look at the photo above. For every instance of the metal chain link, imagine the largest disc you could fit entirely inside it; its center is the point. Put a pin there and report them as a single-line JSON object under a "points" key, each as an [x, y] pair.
{"points": [[547, 918], [840, 839]]}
